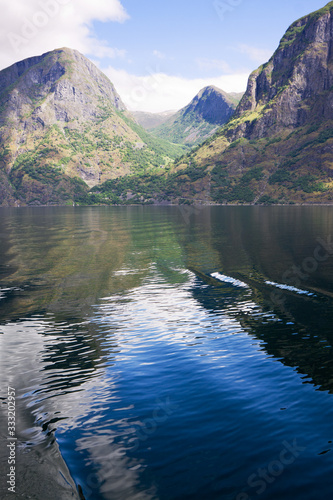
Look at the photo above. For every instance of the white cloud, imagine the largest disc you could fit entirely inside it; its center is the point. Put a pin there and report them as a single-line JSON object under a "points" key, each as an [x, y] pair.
{"points": [[29, 28], [32, 27], [158, 91], [257, 55]]}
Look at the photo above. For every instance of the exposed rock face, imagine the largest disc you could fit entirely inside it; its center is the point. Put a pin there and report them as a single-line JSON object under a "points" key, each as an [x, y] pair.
{"points": [[278, 145], [295, 85], [60, 114], [210, 109], [69, 86], [212, 105]]}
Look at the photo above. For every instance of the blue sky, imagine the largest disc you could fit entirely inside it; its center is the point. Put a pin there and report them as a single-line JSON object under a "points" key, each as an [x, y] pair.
{"points": [[158, 54], [185, 31]]}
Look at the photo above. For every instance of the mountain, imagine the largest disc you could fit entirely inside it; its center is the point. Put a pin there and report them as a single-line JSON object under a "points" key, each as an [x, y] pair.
{"points": [[278, 145], [151, 120], [210, 109], [64, 128]]}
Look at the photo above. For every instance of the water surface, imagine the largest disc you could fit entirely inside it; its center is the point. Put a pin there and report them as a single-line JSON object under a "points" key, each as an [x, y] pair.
{"points": [[173, 353]]}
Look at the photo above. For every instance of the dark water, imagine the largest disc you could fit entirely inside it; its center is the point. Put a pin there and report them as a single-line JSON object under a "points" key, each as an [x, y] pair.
{"points": [[157, 380]]}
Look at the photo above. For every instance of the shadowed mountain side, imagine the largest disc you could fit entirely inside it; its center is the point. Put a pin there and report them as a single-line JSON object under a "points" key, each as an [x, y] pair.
{"points": [[210, 109]]}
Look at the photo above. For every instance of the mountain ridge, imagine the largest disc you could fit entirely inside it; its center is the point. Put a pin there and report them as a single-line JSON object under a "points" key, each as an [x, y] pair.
{"points": [[151, 120], [208, 110], [55, 142], [283, 124], [278, 145], [62, 123]]}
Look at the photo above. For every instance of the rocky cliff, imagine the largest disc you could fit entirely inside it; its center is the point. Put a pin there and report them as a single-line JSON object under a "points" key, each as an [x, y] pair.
{"points": [[278, 145], [294, 86], [64, 128], [209, 109]]}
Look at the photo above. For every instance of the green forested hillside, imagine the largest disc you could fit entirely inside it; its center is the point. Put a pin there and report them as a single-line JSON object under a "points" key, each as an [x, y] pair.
{"points": [[278, 145]]}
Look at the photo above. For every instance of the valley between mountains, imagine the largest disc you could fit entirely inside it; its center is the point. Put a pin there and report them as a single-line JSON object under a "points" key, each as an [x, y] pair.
{"points": [[66, 136]]}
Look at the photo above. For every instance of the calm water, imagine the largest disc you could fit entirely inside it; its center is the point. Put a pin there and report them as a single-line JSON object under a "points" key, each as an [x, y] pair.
{"points": [[158, 380]]}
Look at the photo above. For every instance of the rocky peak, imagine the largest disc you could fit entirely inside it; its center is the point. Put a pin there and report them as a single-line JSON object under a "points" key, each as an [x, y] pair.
{"points": [[212, 105], [62, 79], [208, 110], [297, 79], [278, 146], [62, 119]]}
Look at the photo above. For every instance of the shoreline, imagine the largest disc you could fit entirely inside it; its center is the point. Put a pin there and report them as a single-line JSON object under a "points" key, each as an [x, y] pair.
{"points": [[182, 205]]}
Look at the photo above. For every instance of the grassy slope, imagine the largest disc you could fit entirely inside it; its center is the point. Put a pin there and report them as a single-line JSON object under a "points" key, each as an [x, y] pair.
{"points": [[292, 165], [186, 129], [47, 173], [188, 126], [289, 166], [45, 164], [295, 167]]}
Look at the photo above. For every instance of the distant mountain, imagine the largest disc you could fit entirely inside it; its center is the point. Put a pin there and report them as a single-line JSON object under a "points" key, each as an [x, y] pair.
{"points": [[151, 120], [278, 146], [210, 109], [64, 128]]}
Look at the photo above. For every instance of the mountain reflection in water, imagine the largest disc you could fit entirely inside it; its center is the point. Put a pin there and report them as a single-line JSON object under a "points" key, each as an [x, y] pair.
{"points": [[131, 342]]}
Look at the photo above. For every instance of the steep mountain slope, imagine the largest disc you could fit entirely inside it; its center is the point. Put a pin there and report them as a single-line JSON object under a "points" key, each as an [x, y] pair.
{"points": [[210, 109], [62, 123], [151, 120], [278, 146]]}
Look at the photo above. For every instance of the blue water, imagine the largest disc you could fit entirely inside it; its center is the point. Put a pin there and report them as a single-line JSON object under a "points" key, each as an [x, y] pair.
{"points": [[173, 354]]}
